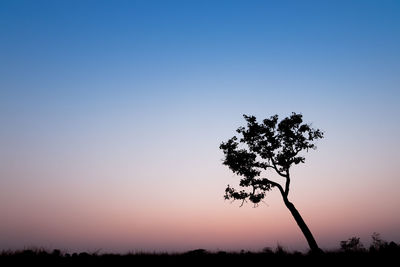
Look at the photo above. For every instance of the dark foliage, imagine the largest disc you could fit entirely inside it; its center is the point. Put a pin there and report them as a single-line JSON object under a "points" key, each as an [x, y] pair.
{"points": [[352, 244], [267, 145], [378, 243], [200, 257]]}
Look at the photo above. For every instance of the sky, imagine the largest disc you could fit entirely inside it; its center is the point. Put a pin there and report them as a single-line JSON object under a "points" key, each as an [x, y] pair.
{"points": [[112, 113]]}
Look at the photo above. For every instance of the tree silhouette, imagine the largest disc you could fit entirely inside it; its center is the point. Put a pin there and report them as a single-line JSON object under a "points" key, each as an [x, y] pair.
{"points": [[270, 145]]}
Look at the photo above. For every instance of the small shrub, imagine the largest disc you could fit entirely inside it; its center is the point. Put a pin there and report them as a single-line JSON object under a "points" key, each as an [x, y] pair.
{"points": [[377, 242], [267, 250], [353, 244]]}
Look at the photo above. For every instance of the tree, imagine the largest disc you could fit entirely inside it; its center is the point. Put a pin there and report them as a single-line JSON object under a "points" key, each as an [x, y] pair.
{"points": [[270, 145]]}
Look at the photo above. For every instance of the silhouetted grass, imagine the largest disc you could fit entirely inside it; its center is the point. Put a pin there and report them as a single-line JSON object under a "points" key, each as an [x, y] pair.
{"points": [[387, 256]]}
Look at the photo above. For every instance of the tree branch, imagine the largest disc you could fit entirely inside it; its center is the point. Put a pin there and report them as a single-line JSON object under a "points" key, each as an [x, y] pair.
{"points": [[287, 176], [275, 184], [275, 168], [287, 183]]}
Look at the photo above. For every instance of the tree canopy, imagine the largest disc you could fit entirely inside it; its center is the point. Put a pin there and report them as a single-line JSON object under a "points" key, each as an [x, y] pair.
{"points": [[270, 144]]}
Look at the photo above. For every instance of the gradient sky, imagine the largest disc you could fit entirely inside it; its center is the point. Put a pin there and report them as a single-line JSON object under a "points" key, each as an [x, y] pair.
{"points": [[112, 112]]}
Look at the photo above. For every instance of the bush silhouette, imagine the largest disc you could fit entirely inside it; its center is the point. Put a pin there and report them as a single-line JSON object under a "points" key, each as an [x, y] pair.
{"points": [[353, 244], [377, 242]]}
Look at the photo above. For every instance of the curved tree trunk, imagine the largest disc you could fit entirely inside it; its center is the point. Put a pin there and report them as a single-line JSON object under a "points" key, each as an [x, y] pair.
{"points": [[303, 226]]}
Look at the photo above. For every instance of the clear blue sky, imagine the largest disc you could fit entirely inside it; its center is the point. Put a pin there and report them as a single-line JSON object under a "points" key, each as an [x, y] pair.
{"points": [[129, 100]]}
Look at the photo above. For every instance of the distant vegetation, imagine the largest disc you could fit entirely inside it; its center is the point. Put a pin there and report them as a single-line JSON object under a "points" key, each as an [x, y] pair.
{"points": [[351, 253]]}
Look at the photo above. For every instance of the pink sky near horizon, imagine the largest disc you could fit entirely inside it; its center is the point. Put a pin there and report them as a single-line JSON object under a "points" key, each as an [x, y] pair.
{"points": [[105, 208]]}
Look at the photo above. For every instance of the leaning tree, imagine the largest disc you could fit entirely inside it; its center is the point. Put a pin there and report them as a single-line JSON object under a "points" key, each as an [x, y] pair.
{"points": [[270, 145]]}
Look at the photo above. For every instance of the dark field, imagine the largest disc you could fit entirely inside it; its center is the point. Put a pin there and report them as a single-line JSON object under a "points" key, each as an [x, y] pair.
{"points": [[389, 256]]}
